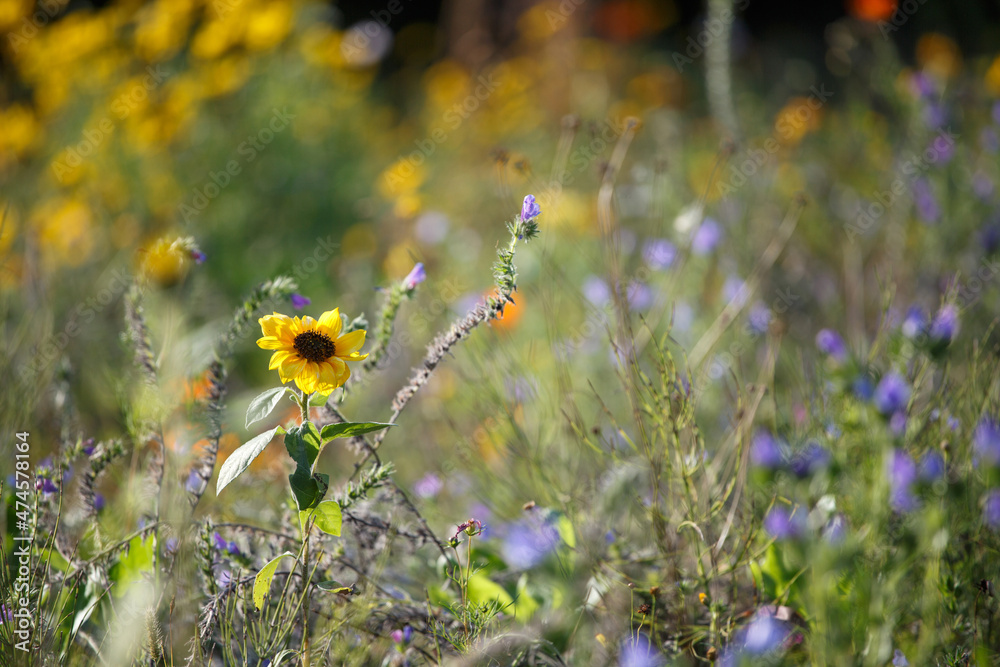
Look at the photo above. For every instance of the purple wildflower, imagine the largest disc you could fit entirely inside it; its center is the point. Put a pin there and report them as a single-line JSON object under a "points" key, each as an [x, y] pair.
{"points": [[88, 446], [219, 541], [6, 615], [640, 297], [915, 322], [530, 209], [529, 541], [897, 423], [170, 546], [764, 633], [416, 276], [46, 486], [931, 466], [707, 237], [991, 509], [892, 393], [428, 486], [810, 460], [982, 186], [989, 140], [98, 502], [782, 524], [759, 318], [863, 388], [659, 253], [935, 115], [923, 198], [945, 325], [596, 291], [299, 302], [922, 85], [766, 451], [198, 256], [902, 472], [986, 442], [194, 482], [638, 651], [835, 529], [831, 344], [899, 660]]}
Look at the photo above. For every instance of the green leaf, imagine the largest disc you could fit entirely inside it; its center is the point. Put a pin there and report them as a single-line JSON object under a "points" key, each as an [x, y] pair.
{"points": [[328, 517], [262, 405], [303, 445], [308, 489], [319, 400], [350, 429], [241, 459], [333, 586], [482, 590], [262, 582]]}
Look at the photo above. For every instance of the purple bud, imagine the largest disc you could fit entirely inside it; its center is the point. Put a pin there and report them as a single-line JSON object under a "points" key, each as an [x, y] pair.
{"points": [[923, 198], [170, 547], [902, 472], [986, 442], [766, 452], [659, 253], [530, 209], [397, 636], [428, 486], [813, 458], [831, 344], [88, 446], [416, 276], [220, 543], [945, 325], [899, 660], [991, 509], [892, 393], [638, 651], [863, 388], [299, 302], [764, 633], [407, 634], [98, 502], [915, 322], [759, 318], [931, 466], [198, 256], [707, 236], [782, 524]]}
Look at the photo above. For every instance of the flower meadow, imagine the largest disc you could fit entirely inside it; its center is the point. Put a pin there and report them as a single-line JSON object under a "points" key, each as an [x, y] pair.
{"points": [[578, 333]]}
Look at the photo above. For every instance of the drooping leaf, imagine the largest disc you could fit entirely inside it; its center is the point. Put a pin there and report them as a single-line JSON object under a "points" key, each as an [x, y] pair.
{"points": [[350, 429], [262, 582], [263, 404], [241, 459], [328, 517], [308, 489]]}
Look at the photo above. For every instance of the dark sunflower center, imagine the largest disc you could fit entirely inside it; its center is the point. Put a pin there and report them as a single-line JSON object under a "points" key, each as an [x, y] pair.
{"points": [[314, 346]]}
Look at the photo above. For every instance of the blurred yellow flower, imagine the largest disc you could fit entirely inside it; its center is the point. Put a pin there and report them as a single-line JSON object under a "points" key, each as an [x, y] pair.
{"points": [[311, 352], [938, 55], [165, 261], [18, 130], [66, 232], [993, 77], [797, 118], [268, 25]]}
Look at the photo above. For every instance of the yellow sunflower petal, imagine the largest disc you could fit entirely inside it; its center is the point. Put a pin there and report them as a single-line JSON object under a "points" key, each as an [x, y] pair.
{"points": [[270, 324], [272, 343], [337, 368], [309, 323], [306, 383], [349, 343], [277, 358], [327, 378], [345, 376], [291, 367], [330, 323]]}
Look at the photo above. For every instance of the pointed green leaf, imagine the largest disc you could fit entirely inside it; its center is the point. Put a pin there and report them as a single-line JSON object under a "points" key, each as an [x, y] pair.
{"points": [[303, 445], [262, 404], [241, 459], [328, 517], [319, 400], [350, 429], [262, 582]]}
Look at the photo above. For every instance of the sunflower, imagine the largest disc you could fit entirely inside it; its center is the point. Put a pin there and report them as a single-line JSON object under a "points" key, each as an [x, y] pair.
{"points": [[311, 352]]}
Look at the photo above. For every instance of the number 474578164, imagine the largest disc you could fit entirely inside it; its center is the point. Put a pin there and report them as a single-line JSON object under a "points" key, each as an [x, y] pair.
{"points": [[22, 479]]}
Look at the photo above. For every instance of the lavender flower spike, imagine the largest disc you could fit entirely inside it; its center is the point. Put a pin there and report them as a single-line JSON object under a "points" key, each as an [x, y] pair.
{"points": [[530, 209], [416, 276]]}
